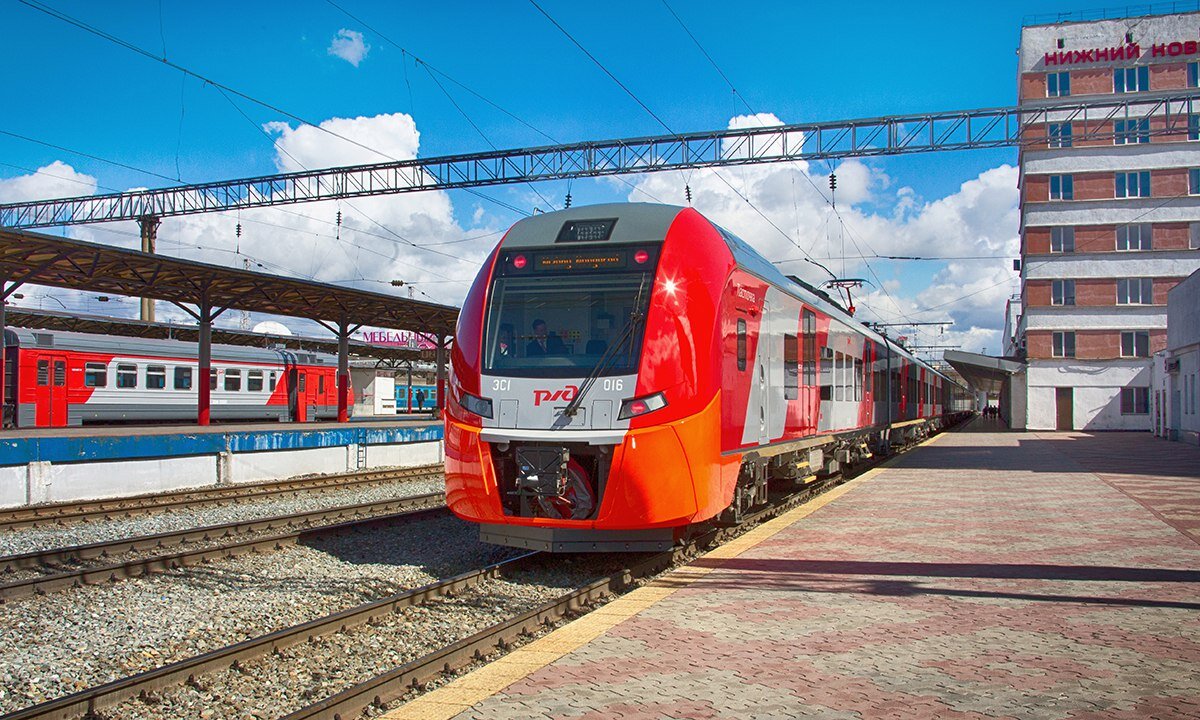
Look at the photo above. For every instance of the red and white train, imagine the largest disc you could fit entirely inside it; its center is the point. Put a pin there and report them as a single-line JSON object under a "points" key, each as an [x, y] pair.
{"points": [[622, 372], [55, 379]]}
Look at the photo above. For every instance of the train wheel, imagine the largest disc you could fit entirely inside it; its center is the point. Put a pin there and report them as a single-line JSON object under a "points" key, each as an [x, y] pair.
{"points": [[578, 499]]}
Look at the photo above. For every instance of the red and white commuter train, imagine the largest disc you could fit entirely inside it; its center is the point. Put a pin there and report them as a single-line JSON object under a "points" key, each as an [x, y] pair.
{"points": [[621, 372], [54, 379]]}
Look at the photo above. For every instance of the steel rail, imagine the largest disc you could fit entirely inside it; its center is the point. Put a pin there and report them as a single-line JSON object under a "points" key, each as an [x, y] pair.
{"points": [[92, 701], [77, 512], [365, 514]]}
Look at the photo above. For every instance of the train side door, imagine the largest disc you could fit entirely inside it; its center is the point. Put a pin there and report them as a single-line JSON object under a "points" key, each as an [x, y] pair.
{"points": [[51, 395], [762, 364], [298, 394]]}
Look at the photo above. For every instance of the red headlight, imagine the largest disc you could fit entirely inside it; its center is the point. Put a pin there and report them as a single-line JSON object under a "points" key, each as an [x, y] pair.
{"points": [[640, 257], [640, 406], [519, 262]]}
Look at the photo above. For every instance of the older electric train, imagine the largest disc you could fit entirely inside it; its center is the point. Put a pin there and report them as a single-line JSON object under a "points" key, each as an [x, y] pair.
{"points": [[623, 372], [54, 379]]}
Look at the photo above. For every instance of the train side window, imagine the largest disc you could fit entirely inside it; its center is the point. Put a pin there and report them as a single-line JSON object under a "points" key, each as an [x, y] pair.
{"points": [[183, 378], [254, 380], [95, 375], [827, 379], [741, 344], [809, 328], [212, 379], [791, 367], [320, 385], [839, 373], [233, 380], [858, 380], [156, 377], [272, 379], [127, 376], [43, 373]]}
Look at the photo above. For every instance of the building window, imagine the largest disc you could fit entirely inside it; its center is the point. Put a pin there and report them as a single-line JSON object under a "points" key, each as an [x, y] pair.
{"points": [[1133, 184], [95, 375], [1064, 344], [156, 377], [1135, 343], [1062, 187], [1062, 240], [1193, 127], [1136, 130], [1059, 134], [1135, 291], [183, 378], [1193, 236], [1132, 79], [1058, 84], [1193, 73], [1062, 292], [1194, 181], [1135, 237], [791, 367], [127, 376], [1135, 401]]}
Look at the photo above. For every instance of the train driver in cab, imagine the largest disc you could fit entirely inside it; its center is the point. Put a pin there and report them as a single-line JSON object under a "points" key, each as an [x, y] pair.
{"points": [[544, 343]]}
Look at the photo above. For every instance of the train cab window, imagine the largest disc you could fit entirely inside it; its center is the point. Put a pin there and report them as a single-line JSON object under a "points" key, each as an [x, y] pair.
{"points": [[233, 380], [272, 379], [156, 377], [254, 380], [791, 367], [43, 373], [320, 385], [183, 378], [741, 344], [809, 328], [127, 376], [95, 375], [212, 379]]}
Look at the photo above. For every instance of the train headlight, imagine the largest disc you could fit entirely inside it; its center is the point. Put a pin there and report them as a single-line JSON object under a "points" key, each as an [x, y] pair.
{"points": [[641, 406], [479, 406]]}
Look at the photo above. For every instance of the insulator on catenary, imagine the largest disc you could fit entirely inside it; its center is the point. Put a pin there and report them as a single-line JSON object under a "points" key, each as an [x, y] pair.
{"points": [[568, 202], [687, 192], [832, 181]]}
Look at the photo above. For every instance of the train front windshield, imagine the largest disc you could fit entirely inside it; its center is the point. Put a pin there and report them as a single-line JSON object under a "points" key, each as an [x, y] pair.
{"points": [[564, 326]]}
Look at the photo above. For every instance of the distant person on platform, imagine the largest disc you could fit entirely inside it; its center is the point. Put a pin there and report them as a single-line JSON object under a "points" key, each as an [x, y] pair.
{"points": [[544, 343], [420, 399]]}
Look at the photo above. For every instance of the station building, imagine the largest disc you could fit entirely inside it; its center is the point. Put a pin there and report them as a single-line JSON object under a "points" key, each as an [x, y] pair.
{"points": [[1110, 216]]}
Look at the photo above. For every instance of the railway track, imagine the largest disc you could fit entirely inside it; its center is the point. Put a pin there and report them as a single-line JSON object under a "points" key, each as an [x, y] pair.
{"points": [[54, 576], [96, 510], [145, 690]]}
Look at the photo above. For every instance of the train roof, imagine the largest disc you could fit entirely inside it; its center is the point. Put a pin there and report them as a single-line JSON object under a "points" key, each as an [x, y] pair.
{"points": [[649, 223], [88, 342]]}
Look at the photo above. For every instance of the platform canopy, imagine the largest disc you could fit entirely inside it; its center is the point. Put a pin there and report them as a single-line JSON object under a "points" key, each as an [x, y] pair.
{"points": [[36, 319], [983, 372], [28, 257]]}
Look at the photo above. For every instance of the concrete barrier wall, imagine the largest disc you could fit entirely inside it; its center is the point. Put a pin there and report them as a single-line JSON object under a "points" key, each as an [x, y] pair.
{"points": [[34, 470]]}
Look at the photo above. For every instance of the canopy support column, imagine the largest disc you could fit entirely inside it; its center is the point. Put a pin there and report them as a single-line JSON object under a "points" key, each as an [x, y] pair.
{"points": [[409, 392], [343, 375], [149, 225], [442, 344]]}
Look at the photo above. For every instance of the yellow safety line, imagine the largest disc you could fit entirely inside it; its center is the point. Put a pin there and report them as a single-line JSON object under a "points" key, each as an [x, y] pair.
{"points": [[462, 694]]}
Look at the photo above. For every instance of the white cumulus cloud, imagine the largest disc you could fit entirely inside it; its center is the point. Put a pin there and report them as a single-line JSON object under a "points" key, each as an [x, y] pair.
{"points": [[56, 180], [349, 46]]}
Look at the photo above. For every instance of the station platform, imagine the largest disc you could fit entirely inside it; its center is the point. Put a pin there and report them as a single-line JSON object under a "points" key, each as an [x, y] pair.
{"points": [[64, 464], [988, 574]]}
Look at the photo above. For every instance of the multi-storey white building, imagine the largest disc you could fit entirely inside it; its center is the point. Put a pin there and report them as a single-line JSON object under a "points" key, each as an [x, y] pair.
{"points": [[1110, 215]]}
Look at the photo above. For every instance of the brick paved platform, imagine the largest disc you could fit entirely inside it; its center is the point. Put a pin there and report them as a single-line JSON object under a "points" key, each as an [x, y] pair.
{"points": [[985, 575]]}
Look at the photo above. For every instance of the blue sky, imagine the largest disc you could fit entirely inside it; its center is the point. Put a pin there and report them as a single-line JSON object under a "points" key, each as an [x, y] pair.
{"points": [[796, 61]]}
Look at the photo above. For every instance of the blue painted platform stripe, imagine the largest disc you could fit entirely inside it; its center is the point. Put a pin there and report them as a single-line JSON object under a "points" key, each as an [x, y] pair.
{"points": [[20, 451]]}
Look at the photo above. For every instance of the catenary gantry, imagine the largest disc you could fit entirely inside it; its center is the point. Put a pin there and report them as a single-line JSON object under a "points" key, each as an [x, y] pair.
{"points": [[1026, 125], [205, 291]]}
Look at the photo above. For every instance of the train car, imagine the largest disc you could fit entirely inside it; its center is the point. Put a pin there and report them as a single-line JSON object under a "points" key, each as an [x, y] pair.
{"points": [[55, 379], [406, 394], [621, 373]]}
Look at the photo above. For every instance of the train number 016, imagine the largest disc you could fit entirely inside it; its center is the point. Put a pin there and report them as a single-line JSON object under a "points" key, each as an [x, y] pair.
{"points": [[611, 385]]}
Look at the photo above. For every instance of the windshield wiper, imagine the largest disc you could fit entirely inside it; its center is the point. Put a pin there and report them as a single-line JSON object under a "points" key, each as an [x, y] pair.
{"points": [[628, 333]]}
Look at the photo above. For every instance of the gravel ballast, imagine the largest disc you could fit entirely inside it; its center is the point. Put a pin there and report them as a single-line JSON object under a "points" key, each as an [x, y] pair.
{"points": [[61, 643], [14, 542]]}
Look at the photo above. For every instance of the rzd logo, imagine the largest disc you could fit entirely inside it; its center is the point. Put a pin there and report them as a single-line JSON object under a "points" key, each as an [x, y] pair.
{"points": [[566, 394]]}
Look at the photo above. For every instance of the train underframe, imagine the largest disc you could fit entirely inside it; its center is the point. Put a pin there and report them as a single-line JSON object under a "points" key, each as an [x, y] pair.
{"points": [[567, 482]]}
